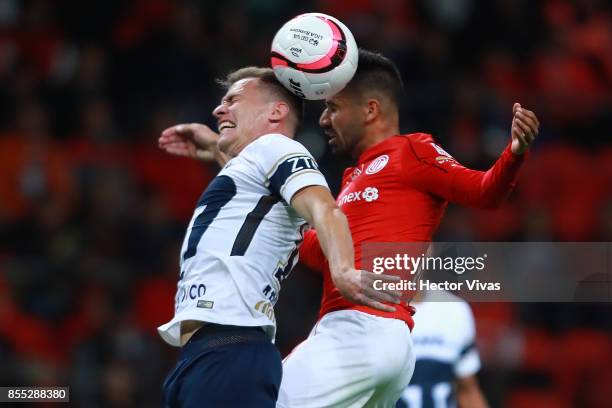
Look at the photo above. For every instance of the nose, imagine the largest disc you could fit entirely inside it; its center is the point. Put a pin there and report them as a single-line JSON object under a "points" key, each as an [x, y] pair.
{"points": [[324, 119], [220, 111]]}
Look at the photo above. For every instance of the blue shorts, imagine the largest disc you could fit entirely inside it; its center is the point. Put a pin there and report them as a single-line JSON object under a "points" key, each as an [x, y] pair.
{"points": [[225, 366]]}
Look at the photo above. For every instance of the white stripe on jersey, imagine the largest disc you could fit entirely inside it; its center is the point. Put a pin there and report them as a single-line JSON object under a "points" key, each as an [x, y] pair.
{"points": [[243, 237]]}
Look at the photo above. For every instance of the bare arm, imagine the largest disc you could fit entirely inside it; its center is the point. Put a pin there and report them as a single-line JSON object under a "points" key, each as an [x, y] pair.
{"points": [[192, 140], [316, 205], [469, 394]]}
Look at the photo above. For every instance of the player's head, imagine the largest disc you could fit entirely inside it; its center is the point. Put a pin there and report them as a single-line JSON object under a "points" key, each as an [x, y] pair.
{"points": [[255, 104], [368, 105]]}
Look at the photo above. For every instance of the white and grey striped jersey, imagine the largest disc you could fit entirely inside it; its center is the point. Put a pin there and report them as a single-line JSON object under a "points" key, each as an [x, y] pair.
{"points": [[243, 238]]}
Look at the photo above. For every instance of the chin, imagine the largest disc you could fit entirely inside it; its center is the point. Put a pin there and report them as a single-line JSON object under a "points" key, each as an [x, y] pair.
{"points": [[223, 145], [226, 138], [338, 150]]}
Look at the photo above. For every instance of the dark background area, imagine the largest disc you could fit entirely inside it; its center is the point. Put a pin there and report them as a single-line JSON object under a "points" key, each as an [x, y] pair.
{"points": [[92, 215]]}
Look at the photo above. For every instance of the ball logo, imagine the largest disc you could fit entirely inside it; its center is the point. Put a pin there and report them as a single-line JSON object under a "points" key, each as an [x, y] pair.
{"points": [[295, 51], [296, 87], [378, 164], [370, 194]]}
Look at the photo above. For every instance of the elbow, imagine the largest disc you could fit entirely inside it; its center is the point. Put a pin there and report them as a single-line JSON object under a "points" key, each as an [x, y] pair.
{"points": [[491, 201], [336, 213], [326, 214]]}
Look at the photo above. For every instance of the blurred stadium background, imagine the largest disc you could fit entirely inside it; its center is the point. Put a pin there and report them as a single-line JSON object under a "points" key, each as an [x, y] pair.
{"points": [[92, 214]]}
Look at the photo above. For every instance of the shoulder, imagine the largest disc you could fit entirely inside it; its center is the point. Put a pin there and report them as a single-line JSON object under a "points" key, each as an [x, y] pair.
{"points": [[276, 141], [424, 146], [417, 137], [270, 150]]}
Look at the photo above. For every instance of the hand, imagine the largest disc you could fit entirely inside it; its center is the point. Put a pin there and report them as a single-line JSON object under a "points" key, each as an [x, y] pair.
{"points": [[192, 140], [525, 127], [358, 287]]}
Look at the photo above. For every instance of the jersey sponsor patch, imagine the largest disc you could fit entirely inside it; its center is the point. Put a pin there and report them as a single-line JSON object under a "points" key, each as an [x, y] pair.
{"points": [[368, 194], [378, 164], [289, 167]]}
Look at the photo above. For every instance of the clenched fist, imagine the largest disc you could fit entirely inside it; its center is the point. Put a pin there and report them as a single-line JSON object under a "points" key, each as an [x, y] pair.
{"points": [[525, 128]]}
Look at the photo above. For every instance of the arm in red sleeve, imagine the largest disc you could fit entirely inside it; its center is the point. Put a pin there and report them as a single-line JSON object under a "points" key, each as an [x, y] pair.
{"points": [[311, 254], [436, 172]]}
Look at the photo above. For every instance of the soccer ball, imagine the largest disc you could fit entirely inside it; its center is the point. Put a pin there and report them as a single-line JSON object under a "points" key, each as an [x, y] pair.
{"points": [[314, 55]]}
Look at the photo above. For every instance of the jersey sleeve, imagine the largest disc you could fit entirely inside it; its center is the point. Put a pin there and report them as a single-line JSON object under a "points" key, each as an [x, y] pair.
{"points": [[468, 362], [287, 166], [431, 169], [311, 254]]}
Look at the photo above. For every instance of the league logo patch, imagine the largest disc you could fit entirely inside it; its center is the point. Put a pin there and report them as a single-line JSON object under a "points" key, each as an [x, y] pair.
{"points": [[440, 150], [206, 304], [378, 164], [444, 159]]}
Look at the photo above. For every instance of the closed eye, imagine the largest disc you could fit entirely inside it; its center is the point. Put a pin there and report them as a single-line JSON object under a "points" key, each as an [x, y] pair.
{"points": [[330, 107], [228, 100]]}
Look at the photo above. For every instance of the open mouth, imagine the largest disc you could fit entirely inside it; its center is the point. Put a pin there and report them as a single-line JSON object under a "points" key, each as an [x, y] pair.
{"points": [[331, 137], [226, 124]]}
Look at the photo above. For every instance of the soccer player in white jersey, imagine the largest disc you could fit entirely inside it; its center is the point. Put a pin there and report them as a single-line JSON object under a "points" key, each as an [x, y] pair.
{"points": [[242, 242], [446, 356]]}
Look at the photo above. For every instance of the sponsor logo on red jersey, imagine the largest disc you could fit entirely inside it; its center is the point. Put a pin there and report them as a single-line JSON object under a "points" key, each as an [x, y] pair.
{"points": [[368, 194]]}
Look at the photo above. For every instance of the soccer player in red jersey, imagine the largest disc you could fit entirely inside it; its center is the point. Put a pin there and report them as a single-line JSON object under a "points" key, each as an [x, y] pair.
{"points": [[397, 192]]}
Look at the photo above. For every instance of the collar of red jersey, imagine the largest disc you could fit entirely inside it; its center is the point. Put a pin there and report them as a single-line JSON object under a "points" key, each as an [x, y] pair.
{"points": [[374, 151]]}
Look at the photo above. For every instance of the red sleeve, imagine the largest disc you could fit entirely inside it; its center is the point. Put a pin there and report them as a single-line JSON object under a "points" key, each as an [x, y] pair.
{"points": [[436, 172], [311, 254]]}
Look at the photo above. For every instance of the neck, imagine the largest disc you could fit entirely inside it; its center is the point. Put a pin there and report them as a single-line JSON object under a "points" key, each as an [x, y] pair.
{"points": [[375, 133], [233, 151]]}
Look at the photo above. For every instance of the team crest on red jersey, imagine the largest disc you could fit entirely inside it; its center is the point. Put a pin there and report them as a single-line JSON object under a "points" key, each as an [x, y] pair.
{"points": [[378, 164]]}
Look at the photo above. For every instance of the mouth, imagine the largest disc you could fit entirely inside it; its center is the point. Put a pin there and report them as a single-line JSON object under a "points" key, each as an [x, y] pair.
{"points": [[226, 124], [331, 138], [329, 133]]}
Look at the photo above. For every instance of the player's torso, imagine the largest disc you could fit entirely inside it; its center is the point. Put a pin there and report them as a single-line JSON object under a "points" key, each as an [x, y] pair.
{"points": [[240, 244], [380, 205]]}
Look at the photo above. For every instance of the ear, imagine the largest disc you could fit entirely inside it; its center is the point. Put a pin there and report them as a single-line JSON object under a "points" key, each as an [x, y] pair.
{"points": [[371, 110], [279, 111]]}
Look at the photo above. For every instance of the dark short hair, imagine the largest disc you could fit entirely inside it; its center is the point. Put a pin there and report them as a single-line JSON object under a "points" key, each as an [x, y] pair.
{"points": [[268, 79], [375, 72]]}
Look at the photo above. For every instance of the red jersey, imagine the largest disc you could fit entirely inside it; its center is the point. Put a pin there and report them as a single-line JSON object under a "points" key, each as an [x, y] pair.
{"points": [[398, 192]]}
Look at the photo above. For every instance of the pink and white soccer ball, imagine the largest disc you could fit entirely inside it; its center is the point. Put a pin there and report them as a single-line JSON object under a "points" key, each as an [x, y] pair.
{"points": [[314, 55]]}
